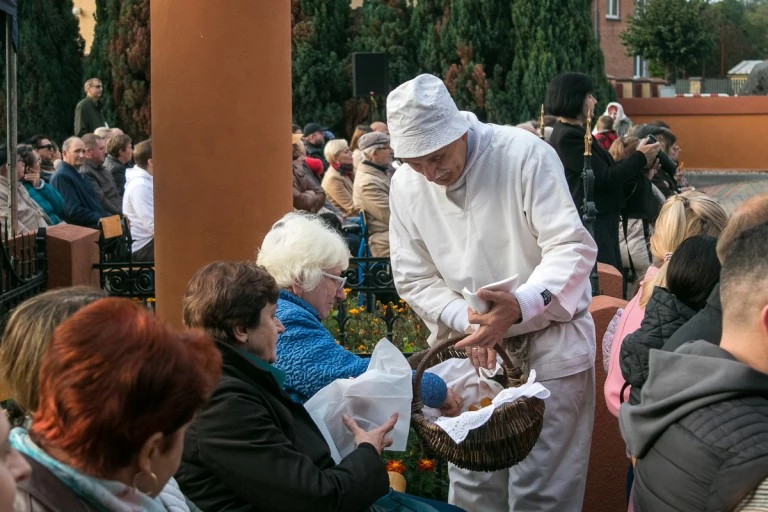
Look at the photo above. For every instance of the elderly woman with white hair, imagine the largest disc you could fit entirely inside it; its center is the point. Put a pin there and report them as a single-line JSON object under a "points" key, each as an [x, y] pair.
{"points": [[371, 190], [306, 258], [337, 181]]}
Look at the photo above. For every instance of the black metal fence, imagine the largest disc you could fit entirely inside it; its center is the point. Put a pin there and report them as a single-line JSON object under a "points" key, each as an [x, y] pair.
{"points": [[371, 280], [120, 276], [730, 86], [23, 269]]}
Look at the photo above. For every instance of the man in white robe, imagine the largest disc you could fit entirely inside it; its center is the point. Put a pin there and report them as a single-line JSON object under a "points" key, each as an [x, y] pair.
{"points": [[476, 203]]}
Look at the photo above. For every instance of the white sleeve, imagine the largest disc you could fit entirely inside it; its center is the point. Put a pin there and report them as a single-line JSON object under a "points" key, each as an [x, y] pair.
{"points": [[417, 279], [145, 204], [560, 281]]}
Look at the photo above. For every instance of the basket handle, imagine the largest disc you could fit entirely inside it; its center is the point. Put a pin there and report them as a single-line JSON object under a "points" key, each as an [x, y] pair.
{"points": [[426, 362]]}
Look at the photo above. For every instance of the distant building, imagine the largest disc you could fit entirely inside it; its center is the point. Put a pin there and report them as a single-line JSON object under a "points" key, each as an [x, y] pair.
{"points": [[609, 19]]}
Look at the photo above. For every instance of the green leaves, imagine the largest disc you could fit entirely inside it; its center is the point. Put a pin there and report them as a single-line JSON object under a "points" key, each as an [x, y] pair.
{"points": [[673, 33]]}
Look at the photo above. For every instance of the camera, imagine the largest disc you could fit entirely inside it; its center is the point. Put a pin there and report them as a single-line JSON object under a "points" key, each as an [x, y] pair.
{"points": [[667, 164]]}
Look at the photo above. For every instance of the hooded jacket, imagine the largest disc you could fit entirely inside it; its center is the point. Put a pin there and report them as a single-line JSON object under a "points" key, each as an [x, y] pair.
{"points": [[664, 314], [700, 433], [706, 325]]}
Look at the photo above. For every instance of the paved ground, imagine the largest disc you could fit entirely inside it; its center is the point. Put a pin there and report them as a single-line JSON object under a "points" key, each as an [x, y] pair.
{"points": [[730, 188]]}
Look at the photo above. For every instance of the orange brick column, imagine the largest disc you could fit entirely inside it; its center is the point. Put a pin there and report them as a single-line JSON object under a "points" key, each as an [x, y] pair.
{"points": [[221, 115]]}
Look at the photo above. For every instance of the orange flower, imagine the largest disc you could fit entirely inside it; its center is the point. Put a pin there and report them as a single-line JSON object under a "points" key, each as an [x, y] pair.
{"points": [[426, 465], [396, 466]]}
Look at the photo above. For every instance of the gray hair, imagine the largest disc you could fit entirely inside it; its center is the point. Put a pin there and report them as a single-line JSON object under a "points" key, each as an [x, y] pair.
{"points": [[299, 248], [68, 143]]}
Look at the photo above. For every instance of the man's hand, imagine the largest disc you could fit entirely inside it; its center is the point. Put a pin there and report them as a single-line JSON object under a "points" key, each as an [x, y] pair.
{"points": [[452, 405], [505, 311], [377, 437]]}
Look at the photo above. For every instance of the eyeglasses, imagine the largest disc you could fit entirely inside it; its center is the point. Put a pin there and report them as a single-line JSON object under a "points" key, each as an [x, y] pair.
{"points": [[341, 281], [49, 147]]}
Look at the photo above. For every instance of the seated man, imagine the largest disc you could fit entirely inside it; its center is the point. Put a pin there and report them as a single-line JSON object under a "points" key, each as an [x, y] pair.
{"points": [[100, 178], [371, 190], [81, 205], [44, 149], [30, 215], [119, 155], [139, 203], [700, 435]]}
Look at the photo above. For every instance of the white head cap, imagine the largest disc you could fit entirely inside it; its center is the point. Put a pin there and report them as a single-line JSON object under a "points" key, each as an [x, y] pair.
{"points": [[422, 117]]}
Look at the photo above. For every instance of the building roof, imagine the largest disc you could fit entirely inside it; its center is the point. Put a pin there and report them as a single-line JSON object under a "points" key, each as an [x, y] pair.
{"points": [[744, 67]]}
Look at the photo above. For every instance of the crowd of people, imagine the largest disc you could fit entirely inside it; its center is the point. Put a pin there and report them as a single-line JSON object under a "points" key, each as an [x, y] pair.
{"points": [[97, 173], [114, 410]]}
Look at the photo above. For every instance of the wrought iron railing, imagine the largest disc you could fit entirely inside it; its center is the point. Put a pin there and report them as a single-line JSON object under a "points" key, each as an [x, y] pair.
{"points": [[371, 279], [120, 275], [23, 269]]}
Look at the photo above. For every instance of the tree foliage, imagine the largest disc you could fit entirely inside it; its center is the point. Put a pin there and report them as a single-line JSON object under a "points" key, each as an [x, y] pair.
{"points": [[320, 70], [120, 57], [673, 33], [49, 69]]}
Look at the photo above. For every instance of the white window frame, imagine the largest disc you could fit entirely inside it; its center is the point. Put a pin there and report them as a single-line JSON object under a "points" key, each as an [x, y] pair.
{"points": [[639, 67], [612, 9]]}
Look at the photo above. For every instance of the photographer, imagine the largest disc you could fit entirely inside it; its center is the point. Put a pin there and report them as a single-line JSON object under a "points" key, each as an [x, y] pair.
{"points": [[667, 180]]}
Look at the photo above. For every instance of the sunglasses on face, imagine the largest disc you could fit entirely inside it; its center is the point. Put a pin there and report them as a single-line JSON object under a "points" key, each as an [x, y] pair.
{"points": [[49, 147]]}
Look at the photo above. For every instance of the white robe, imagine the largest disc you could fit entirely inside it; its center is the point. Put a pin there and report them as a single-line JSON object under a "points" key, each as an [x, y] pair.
{"points": [[510, 213], [514, 215]]}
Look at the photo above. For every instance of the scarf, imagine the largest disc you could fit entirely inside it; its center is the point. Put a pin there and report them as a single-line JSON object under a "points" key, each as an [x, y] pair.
{"points": [[103, 495], [382, 168], [344, 169]]}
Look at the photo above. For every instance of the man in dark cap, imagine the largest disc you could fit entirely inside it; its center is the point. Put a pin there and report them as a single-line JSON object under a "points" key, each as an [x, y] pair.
{"points": [[314, 142]]}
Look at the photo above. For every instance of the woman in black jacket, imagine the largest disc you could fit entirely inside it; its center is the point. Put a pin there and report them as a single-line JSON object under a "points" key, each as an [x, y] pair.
{"points": [[569, 97], [693, 273], [252, 448]]}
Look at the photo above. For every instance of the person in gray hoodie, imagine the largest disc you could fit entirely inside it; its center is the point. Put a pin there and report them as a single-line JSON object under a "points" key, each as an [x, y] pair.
{"points": [[700, 433]]}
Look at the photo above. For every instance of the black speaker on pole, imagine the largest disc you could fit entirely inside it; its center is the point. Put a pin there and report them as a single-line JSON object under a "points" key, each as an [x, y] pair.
{"points": [[370, 74]]}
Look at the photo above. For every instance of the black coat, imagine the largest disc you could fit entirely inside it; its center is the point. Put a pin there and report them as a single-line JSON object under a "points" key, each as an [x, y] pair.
{"points": [[251, 448], [664, 315], [613, 181]]}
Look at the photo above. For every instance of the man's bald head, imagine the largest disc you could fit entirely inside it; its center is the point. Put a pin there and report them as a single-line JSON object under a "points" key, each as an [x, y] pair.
{"points": [[378, 126]]}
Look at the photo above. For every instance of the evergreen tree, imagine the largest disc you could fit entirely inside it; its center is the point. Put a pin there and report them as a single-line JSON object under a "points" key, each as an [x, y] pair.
{"points": [[49, 69], [673, 33], [128, 55], [96, 64], [551, 37], [382, 26], [321, 74]]}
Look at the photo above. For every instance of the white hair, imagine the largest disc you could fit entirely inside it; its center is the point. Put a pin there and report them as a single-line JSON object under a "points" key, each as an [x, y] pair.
{"points": [[102, 131], [299, 248], [368, 152], [333, 148]]}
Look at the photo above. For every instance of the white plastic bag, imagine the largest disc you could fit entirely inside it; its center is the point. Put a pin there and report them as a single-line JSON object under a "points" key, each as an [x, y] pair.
{"points": [[370, 399]]}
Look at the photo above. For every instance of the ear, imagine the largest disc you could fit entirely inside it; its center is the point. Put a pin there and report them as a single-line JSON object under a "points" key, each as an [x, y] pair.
{"points": [[297, 290], [764, 319], [240, 333], [149, 451]]}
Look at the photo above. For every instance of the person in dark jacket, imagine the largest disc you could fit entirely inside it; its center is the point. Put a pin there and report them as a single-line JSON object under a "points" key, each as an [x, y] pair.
{"points": [[693, 272], [119, 156], [314, 141], [252, 448], [707, 324], [569, 96], [88, 115], [101, 179], [81, 205], [700, 432]]}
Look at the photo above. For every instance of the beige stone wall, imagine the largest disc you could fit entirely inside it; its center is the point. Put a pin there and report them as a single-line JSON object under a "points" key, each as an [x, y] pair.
{"points": [[87, 21]]}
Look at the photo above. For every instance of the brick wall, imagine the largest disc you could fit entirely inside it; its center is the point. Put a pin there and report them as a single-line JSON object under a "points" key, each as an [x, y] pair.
{"points": [[617, 64]]}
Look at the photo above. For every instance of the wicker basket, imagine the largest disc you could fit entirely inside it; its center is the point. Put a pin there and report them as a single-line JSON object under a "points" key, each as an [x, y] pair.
{"points": [[506, 439]]}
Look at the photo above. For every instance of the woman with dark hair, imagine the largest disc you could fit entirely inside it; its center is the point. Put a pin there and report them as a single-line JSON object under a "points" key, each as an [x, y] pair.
{"points": [[46, 197], [357, 154], [118, 389], [252, 448], [569, 97], [692, 273]]}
